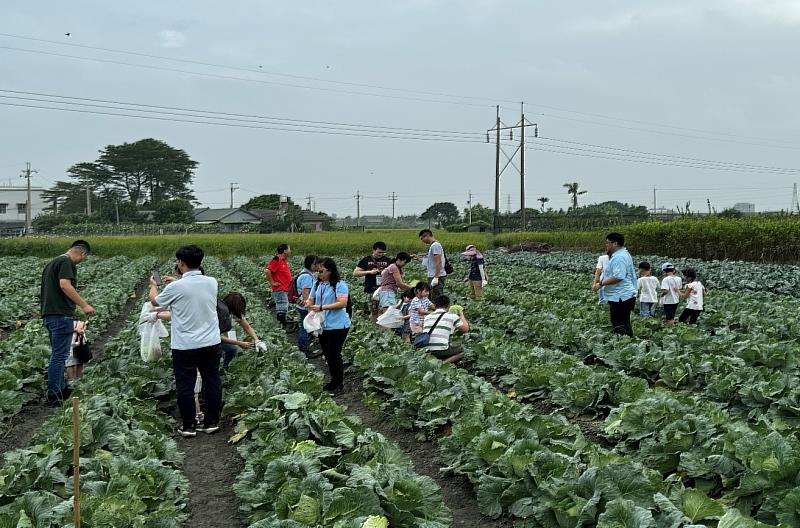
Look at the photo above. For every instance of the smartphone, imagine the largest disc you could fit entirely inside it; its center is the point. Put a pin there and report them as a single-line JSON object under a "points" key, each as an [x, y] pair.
{"points": [[157, 278]]}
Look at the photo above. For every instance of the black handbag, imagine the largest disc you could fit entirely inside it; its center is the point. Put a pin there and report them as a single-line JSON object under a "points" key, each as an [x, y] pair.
{"points": [[422, 340], [82, 351]]}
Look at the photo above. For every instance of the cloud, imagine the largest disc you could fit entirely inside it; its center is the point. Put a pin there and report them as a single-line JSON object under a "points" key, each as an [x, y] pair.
{"points": [[784, 12], [172, 39]]}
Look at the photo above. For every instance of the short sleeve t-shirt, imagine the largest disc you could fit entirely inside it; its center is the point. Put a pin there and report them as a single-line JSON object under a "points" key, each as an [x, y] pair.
{"points": [[281, 273], [224, 317], [696, 294], [417, 302], [53, 300], [647, 287], [440, 337], [602, 262], [475, 268], [324, 293], [370, 263], [304, 280], [388, 282], [430, 263], [672, 285]]}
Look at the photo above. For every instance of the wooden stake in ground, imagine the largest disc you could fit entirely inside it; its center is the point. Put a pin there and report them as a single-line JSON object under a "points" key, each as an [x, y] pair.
{"points": [[76, 460]]}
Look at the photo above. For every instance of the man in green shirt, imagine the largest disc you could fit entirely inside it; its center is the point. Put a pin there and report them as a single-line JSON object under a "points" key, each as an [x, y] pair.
{"points": [[58, 300]]}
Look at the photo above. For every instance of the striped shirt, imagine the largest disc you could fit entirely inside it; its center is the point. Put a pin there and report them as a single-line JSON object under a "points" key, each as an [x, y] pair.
{"points": [[440, 337], [419, 302]]}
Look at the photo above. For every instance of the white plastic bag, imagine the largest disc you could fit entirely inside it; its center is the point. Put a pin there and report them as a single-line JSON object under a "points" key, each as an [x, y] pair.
{"points": [[376, 295], [151, 331], [391, 318], [313, 322]]}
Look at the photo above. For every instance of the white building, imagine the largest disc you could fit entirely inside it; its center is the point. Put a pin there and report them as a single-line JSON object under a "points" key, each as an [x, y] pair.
{"points": [[12, 203], [745, 207]]}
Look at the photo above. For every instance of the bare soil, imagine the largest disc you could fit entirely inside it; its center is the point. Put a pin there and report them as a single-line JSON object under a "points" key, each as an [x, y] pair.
{"points": [[211, 465]]}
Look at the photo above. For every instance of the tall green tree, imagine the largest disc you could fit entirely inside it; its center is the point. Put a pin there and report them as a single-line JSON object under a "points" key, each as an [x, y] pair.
{"points": [[573, 189], [480, 213], [543, 200], [266, 201], [443, 213], [175, 211], [143, 173]]}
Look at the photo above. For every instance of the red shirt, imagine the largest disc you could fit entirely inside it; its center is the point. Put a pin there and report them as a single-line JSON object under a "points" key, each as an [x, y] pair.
{"points": [[281, 274]]}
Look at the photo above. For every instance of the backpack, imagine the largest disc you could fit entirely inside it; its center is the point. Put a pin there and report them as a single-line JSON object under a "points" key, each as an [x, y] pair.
{"points": [[448, 268], [295, 294]]}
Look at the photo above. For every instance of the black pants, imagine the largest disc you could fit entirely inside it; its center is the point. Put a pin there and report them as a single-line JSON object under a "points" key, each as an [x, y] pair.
{"points": [[689, 315], [185, 364], [620, 312], [332, 342]]}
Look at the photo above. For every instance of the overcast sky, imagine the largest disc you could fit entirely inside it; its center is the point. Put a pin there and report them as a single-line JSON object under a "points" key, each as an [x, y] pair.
{"points": [[709, 80]]}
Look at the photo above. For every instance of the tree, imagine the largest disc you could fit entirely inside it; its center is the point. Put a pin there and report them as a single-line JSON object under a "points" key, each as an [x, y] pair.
{"points": [[479, 214], [265, 201], [175, 211], [443, 213], [573, 190], [144, 172], [543, 200]]}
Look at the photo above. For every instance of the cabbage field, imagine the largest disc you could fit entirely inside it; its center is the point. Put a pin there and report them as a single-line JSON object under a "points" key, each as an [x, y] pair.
{"points": [[551, 420]]}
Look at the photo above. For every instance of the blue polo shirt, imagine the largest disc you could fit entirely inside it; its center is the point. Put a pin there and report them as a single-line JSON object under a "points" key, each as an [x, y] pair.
{"points": [[620, 266], [323, 293]]}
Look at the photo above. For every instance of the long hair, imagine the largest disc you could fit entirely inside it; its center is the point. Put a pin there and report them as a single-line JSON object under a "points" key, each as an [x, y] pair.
{"points": [[405, 257], [236, 303], [330, 265]]}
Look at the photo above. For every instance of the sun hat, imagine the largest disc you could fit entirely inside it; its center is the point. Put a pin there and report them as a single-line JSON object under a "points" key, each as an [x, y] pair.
{"points": [[470, 251]]}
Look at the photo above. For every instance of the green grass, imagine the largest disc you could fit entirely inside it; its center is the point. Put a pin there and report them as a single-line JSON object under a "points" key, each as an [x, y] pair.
{"points": [[348, 244]]}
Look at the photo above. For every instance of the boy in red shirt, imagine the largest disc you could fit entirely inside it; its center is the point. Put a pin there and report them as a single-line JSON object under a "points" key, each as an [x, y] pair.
{"points": [[279, 276]]}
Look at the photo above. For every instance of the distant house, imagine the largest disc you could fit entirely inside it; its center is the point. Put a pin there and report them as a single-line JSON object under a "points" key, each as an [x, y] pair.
{"points": [[13, 203], [314, 221], [231, 219]]}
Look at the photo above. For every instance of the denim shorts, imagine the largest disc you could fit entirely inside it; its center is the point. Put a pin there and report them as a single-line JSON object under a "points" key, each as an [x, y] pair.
{"points": [[388, 298], [281, 299]]}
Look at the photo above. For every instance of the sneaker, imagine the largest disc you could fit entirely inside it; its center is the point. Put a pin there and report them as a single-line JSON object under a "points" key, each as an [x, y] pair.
{"points": [[335, 391], [187, 432], [312, 354], [209, 429]]}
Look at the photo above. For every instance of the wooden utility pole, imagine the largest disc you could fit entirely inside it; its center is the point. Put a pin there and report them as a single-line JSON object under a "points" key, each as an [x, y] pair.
{"points": [[358, 208], [28, 217], [469, 204], [88, 201]]}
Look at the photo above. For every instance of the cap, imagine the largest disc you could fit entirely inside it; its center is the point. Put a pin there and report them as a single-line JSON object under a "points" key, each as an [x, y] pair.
{"points": [[470, 251], [667, 266]]}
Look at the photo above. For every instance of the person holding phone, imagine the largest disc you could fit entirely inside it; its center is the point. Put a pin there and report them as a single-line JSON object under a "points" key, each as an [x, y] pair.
{"points": [[58, 299]]}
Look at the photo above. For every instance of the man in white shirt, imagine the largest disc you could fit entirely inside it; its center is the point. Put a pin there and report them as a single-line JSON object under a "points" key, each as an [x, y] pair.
{"points": [[195, 340], [434, 262], [441, 324]]}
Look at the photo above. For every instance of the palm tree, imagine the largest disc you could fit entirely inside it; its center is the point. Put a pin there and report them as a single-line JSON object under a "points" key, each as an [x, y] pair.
{"points": [[572, 188], [543, 200]]}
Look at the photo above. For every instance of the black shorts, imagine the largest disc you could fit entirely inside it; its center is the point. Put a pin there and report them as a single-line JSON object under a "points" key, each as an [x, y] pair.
{"points": [[669, 311]]}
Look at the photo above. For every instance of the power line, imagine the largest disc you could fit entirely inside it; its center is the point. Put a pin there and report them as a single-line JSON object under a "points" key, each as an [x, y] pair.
{"points": [[251, 70], [280, 120], [234, 78], [240, 125]]}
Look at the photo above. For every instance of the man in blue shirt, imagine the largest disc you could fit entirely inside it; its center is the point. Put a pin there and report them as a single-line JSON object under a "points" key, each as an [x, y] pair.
{"points": [[618, 283]]}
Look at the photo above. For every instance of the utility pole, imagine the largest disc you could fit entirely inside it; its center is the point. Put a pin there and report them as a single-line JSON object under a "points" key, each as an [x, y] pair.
{"points": [[116, 208], [88, 201], [654, 199], [496, 223], [233, 189], [393, 198], [358, 208], [469, 205], [508, 204], [522, 164], [522, 124], [708, 201], [308, 198], [27, 175], [795, 208]]}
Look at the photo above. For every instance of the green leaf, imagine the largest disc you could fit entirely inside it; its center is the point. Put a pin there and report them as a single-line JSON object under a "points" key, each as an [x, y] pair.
{"points": [[697, 506], [376, 521], [293, 400], [788, 511], [306, 510], [622, 513]]}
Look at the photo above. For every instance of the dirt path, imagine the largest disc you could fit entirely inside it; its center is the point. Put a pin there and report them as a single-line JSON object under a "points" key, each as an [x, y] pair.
{"points": [[211, 465], [19, 430]]}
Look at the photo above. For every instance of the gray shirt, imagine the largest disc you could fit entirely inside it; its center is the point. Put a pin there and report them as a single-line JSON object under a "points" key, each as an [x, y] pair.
{"points": [[430, 263]]}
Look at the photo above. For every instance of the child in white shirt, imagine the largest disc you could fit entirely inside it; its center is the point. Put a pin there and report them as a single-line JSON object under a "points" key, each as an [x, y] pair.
{"points": [[694, 292], [647, 290], [670, 292]]}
